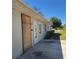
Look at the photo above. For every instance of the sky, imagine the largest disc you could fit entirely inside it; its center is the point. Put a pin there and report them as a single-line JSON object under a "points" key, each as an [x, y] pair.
{"points": [[49, 8]]}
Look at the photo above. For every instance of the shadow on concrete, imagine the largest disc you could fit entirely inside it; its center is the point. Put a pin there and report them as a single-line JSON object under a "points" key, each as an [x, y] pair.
{"points": [[49, 48]]}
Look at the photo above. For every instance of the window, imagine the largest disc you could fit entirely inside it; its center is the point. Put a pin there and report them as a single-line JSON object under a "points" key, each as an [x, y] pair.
{"points": [[35, 31], [39, 28]]}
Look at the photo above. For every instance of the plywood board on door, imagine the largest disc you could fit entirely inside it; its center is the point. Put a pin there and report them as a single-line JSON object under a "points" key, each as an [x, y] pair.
{"points": [[26, 29]]}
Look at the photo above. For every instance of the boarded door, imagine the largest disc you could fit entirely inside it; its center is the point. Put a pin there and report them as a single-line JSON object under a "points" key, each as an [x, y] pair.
{"points": [[26, 25]]}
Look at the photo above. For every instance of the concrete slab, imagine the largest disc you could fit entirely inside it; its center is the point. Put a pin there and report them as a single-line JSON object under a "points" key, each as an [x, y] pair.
{"points": [[54, 49]]}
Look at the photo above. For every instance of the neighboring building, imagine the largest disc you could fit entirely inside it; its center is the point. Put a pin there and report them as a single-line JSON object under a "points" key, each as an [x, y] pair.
{"points": [[48, 25], [28, 28]]}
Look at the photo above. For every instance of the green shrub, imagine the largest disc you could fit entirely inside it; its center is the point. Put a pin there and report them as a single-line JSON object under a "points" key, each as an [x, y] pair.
{"points": [[49, 34]]}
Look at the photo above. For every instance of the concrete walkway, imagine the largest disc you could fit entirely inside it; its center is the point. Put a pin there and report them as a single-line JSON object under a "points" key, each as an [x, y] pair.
{"points": [[47, 49]]}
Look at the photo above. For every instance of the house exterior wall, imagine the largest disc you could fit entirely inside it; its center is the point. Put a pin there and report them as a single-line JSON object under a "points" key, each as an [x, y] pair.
{"points": [[16, 34], [36, 35]]}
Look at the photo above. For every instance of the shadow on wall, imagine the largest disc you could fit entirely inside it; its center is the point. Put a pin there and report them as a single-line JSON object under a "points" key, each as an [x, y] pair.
{"points": [[50, 36]]}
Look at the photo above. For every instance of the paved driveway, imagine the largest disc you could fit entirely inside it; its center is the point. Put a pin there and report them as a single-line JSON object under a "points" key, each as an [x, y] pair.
{"points": [[47, 49]]}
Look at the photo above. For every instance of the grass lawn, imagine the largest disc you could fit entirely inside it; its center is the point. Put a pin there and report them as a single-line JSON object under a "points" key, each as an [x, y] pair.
{"points": [[63, 34]]}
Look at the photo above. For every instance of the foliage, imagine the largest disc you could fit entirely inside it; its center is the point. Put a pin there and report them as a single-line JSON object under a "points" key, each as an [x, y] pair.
{"points": [[52, 34], [49, 34], [56, 22]]}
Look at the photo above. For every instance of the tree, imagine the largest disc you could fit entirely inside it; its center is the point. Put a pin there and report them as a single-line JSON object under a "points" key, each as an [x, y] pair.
{"points": [[56, 22]]}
